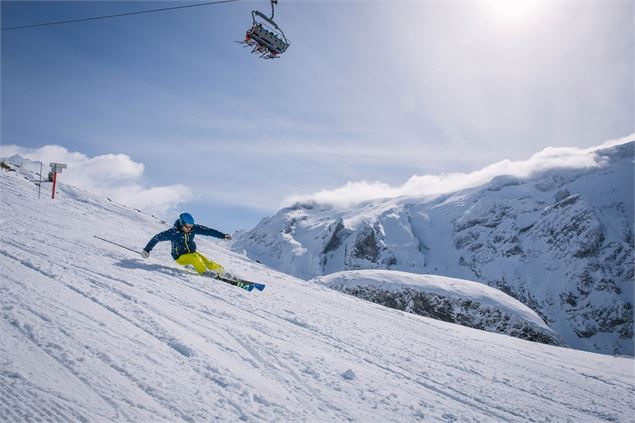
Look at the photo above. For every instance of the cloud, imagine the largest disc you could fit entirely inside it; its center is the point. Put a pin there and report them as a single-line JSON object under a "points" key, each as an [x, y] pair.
{"points": [[432, 185], [114, 175]]}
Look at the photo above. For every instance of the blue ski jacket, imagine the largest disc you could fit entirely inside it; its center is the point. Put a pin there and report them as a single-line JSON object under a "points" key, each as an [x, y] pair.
{"points": [[182, 243]]}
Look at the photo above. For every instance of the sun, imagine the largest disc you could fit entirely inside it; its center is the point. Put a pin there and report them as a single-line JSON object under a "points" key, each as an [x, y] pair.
{"points": [[511, 12]]}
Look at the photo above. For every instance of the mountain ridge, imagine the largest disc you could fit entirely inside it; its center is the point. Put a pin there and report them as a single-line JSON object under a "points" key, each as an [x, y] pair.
{"points": [[559, 240]]}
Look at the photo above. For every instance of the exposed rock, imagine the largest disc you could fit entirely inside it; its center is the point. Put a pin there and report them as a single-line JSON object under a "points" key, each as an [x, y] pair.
{"points": [[450, 300]]}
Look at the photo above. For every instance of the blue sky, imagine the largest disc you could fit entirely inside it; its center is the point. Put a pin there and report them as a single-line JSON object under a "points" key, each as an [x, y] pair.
{"points": [[373, 91]]}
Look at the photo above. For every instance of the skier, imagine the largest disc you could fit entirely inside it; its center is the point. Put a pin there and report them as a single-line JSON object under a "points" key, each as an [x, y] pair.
{"points": [[181, 235]]}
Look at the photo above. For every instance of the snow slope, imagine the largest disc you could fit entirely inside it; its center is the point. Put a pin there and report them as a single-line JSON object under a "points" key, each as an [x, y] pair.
{"points": [[559, 240], [449, 299], [91, 332]]}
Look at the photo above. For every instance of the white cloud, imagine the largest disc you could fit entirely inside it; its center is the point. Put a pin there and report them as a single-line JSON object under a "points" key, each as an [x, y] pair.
{"points": [[113, 175], [431, 185]]}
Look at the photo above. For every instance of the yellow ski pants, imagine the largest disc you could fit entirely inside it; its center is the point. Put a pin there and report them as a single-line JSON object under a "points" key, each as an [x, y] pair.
{"points": [[200, 263]]}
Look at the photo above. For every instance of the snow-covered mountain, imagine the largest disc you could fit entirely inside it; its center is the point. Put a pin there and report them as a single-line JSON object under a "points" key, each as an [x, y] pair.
{"points": [[559, 240], [91, 332], [452, 300]]}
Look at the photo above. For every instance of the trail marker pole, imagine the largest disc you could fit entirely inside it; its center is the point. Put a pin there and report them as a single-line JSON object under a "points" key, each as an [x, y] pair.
{"points": [[56, 168], [39, 187], [54, 182]]}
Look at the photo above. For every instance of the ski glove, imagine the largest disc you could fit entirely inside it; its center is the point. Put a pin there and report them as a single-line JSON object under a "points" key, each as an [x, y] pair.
{"points": [[145, 254], [228, 236]]}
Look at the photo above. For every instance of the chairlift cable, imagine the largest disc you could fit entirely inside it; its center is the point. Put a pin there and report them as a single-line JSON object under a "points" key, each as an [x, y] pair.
{"points": [[120, 14]]}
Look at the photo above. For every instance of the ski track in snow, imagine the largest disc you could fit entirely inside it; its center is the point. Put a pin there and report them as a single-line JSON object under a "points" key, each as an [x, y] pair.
{"points": [[92, 333]]}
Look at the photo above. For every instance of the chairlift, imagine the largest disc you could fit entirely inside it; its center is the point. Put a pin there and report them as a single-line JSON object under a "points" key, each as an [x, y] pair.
{"points": [[265, 37]]}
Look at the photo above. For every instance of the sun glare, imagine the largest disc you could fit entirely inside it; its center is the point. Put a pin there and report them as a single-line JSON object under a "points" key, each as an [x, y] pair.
{"points": [[511, 12]]}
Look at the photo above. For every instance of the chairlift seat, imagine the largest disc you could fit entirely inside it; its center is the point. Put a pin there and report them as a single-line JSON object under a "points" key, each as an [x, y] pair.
{"points": [[265, 37]]}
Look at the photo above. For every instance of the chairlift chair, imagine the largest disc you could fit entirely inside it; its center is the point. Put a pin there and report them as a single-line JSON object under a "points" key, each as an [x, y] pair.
{"points": [[265, 37]]}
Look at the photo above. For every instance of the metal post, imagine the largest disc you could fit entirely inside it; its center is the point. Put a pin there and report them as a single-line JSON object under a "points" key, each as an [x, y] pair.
{"points": [[55, 169], [54, 181], [39, 188]]}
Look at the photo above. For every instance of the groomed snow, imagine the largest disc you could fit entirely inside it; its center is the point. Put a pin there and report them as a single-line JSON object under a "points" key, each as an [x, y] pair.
{"points": [[91, 332]]}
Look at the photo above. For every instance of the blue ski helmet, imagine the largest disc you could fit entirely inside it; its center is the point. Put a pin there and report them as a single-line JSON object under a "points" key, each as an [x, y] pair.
{"points": [[186, 219]]}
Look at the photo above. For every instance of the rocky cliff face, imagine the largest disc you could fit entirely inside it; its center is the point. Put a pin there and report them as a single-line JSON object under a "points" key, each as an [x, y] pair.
{"points": [[560, 241], [451, 300], [464, 312]]}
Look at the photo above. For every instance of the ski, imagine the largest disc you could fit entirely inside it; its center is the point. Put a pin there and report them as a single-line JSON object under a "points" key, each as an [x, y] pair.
{"points": [[240, 283], [232, 280]]}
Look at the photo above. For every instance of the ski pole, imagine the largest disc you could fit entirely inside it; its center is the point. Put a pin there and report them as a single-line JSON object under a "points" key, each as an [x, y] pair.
{"points": [[118, 245]]}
